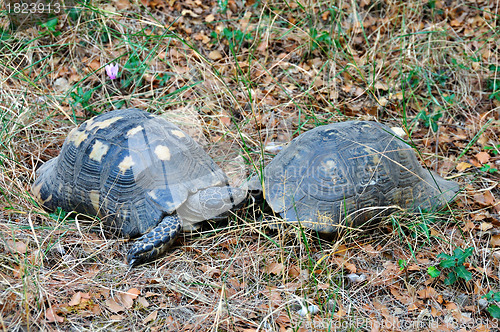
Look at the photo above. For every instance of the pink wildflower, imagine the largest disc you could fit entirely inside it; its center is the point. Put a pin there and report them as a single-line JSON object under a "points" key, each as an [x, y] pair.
{"points": [[112, 71]]}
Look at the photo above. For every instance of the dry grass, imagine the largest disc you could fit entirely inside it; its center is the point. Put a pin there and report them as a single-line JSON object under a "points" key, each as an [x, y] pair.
{"points": [[271, 71]]}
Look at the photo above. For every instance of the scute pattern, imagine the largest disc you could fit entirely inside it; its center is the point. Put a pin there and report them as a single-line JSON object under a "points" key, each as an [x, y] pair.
{"points": [[107, 167], [347, 173]]}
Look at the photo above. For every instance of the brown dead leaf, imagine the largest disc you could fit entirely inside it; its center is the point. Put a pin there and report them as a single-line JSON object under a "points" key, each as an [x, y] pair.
{"points": [[483, 157], [484, 199], [381, 86], [190, 13], [95, 64], [294, 271], [215, 55], [96, 309], [463, 166], [263, 45], [126, 300], [152, 316], [52, 316], [210, 18], [283, 321], [18, 246], [113, 306], [225, 119], [451, 306], [427, 293], [143, 301], [75, 299], [122, 4], [342, 262], [275, 268], [469, 225], [484, 226], [133, 293], [495, 241], [116, 317]]}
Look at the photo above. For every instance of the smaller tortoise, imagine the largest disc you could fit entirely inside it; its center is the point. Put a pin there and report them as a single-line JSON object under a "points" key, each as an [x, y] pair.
{"points": [[141, 175], [344, 174]]}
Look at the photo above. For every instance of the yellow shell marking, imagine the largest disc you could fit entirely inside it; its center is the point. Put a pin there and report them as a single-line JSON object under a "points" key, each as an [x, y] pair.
{"points": [[134, 131], [77, 137], [102, 124], [94, 198], [48, 199], [36, 190], [162, 152], [126, 163], [178, 133], [98, 151]]}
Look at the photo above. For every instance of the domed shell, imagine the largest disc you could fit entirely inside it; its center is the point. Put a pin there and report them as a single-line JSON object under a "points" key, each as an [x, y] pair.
{"points": [[343, 174], [128, 167]]}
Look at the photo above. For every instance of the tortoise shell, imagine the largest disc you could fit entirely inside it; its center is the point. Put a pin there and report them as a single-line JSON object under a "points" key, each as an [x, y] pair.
{"points": [[344, 174], [130, 168]]}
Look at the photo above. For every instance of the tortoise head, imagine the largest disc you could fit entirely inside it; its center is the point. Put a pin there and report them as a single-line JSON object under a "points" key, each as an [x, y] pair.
{"points": [[43, 186], [211, 203]]}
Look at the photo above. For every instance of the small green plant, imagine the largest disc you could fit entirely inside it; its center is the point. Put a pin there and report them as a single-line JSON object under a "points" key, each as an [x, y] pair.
{"points": [[455, 263], [403, 264], [430, 120], [222, 5], [487, 168], [320, 40], [81, 97], [493, 309], [493, 84], [493, 149], [58, 214], [50, 25], [235, 37]]}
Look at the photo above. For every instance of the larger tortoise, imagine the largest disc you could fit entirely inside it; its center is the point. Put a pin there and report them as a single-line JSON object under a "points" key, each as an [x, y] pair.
{"points": [[141, 175], [344, 174]]}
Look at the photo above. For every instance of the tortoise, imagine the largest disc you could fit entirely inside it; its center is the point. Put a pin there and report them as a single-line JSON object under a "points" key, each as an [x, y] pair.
{"points": [[344, 174], [141, 175]]}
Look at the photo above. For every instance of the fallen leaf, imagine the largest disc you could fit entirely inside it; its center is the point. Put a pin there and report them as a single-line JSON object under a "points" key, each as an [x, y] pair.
{"points": [[463, 166], [122, 4], [113, 306], [116, 317], [381, 86], [133, 292], [263, 45], [215, 55], [150, 317], [483, 157], [189, 12], [275, 268], [51, 316], [469, 225], [18, 246], [485, 226], [143, 301], [495, 241], [484, 199], [294, 271], [75, 299], [210, 18], [126, 300], [95, 64]]}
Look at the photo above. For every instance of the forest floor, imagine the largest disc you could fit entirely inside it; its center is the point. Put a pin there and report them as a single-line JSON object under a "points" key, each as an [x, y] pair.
{"points": [[244, 78]]}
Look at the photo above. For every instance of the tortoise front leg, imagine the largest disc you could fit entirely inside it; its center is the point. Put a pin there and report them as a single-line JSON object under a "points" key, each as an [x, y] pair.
{"points": [[152, 244]]}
